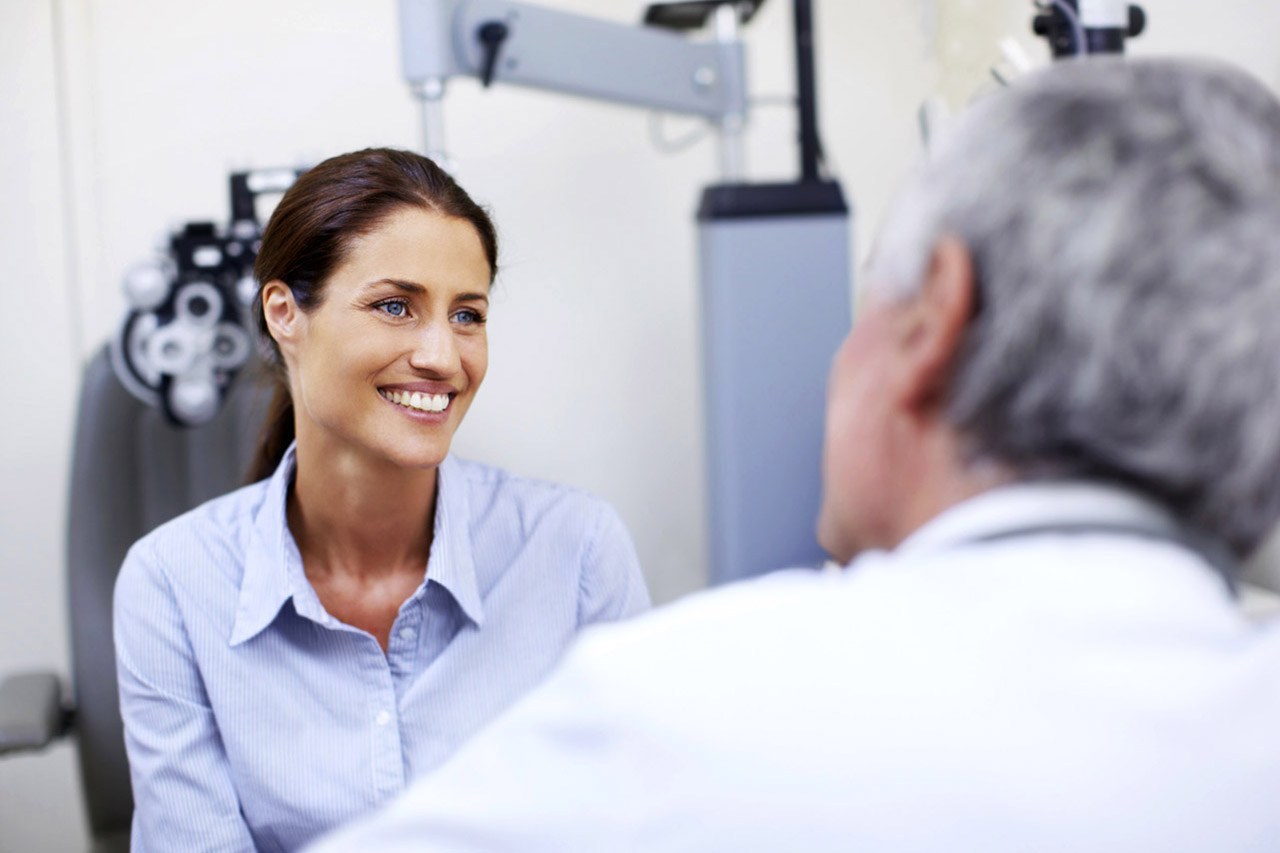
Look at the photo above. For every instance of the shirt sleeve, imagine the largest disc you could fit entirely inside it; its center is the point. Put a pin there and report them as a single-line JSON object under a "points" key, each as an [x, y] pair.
{"points": [[184, 796], [611, 587]]}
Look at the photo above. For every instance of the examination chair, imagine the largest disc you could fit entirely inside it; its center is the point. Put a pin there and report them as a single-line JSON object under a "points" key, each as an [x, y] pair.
{"points": [[131, 471]]}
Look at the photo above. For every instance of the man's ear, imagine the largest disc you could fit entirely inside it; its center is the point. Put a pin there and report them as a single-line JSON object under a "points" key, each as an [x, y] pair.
{"points": [[933, 328], [281, 312]]}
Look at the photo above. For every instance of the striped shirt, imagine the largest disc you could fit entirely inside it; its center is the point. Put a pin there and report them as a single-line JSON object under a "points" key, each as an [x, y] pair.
{"points": [[254, 720]]}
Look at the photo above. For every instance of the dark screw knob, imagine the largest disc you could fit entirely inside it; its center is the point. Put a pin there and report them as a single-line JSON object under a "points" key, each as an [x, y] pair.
{"points": [[492, 34], [1137, 21]]}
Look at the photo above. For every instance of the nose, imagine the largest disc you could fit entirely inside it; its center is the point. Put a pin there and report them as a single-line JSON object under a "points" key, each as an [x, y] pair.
{"points": [[435, 351]]}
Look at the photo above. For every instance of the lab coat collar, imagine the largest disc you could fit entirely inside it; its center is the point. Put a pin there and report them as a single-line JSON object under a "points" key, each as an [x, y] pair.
{"points": [[273, 572], [1038, 504]]}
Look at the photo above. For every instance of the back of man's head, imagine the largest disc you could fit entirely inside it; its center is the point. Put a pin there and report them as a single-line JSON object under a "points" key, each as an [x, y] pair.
{"points": [[1124, 224]]}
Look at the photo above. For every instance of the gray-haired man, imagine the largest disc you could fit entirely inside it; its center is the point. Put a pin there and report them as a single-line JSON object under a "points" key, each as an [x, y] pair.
{"points": [[1053, 430]]}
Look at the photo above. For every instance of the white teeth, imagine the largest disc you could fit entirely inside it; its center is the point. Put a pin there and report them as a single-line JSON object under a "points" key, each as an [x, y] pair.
{"points": [[417, 400]]}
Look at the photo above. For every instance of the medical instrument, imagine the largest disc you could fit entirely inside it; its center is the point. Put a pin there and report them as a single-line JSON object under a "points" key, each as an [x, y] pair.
{"points": [[187, 331], [774, 258], [1082, 27]]}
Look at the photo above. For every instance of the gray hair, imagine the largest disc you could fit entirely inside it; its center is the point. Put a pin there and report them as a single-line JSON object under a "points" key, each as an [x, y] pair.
{"points": [[1124, 221]]}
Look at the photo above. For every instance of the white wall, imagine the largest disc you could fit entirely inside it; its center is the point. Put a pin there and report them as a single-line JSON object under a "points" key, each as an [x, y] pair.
{"points": [[593, 377], [37, 327]]}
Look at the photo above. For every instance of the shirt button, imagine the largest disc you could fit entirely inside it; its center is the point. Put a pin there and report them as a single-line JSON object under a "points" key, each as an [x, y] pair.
{"points": [[407, 633], [383, 718]]}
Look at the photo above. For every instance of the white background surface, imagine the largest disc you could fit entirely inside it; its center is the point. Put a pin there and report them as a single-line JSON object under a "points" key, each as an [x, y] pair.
{"points": [[121, 118]]}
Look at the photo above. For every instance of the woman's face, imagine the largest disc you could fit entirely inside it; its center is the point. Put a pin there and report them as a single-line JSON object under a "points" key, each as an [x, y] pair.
{"points": [[386, 366]]}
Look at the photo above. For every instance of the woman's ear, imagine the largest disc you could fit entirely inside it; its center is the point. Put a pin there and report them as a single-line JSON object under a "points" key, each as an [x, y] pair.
{"points": [[281, 312]]}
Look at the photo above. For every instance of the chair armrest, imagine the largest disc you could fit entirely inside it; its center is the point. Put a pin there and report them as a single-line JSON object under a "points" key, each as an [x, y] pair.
{"points": [[1259, 603], [31, 712]]}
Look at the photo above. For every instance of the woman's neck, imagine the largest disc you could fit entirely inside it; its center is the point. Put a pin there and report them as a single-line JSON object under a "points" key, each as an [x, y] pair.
{"points": [[360, 517]]}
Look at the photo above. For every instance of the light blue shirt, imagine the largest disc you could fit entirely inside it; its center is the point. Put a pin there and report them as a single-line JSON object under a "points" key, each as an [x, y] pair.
{"points": [[255, 720]]}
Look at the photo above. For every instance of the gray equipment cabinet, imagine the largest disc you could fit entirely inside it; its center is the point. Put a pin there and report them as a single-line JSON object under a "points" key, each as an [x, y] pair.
{"points": [[775, 305]]}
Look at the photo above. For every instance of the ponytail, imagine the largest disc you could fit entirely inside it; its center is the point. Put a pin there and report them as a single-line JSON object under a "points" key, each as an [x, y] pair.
{"points": [[277, 434]]}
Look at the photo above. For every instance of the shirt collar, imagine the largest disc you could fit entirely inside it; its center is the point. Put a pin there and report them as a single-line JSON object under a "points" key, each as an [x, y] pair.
{"points": [[266, 584], [1030, 505], [451, 563], [273, 571]]}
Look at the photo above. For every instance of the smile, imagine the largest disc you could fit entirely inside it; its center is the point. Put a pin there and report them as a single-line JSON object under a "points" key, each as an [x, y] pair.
{"points": [[419, 401]]}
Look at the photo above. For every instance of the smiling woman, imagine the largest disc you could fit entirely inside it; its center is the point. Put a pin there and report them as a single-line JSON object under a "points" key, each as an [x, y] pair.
{"points": [[294, 653]]}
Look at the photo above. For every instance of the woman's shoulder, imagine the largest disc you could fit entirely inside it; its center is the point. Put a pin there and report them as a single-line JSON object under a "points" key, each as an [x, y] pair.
{"points": [[212, 534], [524, 511], [523, 523], [489, 485]]}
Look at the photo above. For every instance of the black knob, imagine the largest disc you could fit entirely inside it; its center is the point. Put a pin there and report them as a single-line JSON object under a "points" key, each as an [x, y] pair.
{"points": [[1137, 21], [492, 34]]}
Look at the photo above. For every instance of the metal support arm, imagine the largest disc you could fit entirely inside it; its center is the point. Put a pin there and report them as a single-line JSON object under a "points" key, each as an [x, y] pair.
{"points": [[527, 45], [575, 54]]}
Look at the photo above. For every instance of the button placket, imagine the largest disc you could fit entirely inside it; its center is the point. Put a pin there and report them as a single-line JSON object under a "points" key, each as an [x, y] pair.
{"points": [[388, 760], [402, 648]]}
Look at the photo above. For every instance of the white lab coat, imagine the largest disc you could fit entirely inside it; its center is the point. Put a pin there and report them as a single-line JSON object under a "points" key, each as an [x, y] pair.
{"points": [[1049, 692]]}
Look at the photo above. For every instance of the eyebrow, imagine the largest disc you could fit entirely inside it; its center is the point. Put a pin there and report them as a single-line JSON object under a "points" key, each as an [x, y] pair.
{"points": [[407, 286], [415, 288]]}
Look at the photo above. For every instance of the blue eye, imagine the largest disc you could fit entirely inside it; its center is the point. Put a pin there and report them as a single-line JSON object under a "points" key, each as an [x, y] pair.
{"points": [[393, 308], [468, 316]]}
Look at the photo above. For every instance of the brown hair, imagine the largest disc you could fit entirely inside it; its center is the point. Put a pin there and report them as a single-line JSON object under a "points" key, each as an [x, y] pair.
{"points": [[312, 229]]}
